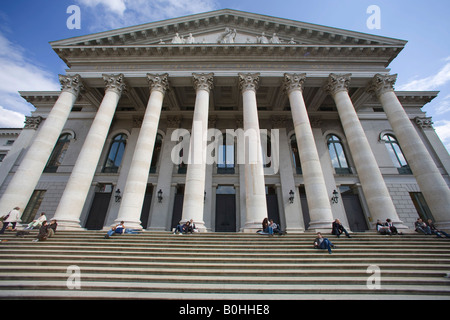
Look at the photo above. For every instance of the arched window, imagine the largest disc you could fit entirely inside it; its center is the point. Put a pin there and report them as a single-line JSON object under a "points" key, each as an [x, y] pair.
{"points": [[337, 154], [295, 155], [396, 154], [115, 154], [59, 152], [226, 156], [156, 153], [266, 144]]}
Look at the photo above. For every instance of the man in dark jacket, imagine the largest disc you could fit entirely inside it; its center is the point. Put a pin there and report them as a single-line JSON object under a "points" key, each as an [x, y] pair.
{"points": [[338, 229], [43, 232]]}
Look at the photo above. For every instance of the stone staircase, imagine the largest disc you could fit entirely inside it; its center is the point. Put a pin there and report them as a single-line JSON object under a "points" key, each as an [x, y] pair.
{"points": [[208, 266]]}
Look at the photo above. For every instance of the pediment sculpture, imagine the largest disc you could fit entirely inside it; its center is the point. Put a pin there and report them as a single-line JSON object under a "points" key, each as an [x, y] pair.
{"points": [[228, 36]]}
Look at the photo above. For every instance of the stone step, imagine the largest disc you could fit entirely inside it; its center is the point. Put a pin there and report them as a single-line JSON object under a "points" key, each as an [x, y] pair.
{"points": [[212, 296], [239, 289], [224, 278], [230, 258], [222, 266], [202, 253], [319, 264], [36, 269]]}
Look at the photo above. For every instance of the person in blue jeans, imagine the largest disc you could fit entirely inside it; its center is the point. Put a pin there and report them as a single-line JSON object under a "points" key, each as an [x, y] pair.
{"points": [[435, 230], [323, 243], [120, 229], [266, 227]]}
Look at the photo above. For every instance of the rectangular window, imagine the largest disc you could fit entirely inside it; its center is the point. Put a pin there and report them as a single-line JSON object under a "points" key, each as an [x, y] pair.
{"points": [[33, 205], [421, 206]]}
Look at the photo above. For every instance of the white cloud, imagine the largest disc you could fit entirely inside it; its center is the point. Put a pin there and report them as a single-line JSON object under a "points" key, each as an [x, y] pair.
{"points": [[106, 14], [115, 6], [17, 73], [11, 119], [443, 130], [429, 83]]}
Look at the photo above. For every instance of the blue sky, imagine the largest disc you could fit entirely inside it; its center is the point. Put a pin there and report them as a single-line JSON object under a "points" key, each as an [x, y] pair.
{"points": [[27, 62]]}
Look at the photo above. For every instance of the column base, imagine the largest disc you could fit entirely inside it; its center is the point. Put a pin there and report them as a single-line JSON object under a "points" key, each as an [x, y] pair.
{"points": [[294, 230], [252, 227], [320, 226], [69, 225]]}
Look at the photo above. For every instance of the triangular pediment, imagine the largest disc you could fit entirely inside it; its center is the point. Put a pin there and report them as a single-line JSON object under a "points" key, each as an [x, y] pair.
{"points": [[228, 26]]}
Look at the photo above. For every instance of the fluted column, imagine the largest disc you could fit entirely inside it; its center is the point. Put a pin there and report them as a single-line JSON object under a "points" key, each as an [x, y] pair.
{"points": [[432, 185], [72, 201], [136, 184], [255, 191], [375, 191], [193, 201], [316, 192], [25, 179]]}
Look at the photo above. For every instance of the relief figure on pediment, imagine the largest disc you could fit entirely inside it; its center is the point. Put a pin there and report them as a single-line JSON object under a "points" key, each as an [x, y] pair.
{"points": [[190, 39], [275, 39], [177, 39], [263, 39], [228, 36]]}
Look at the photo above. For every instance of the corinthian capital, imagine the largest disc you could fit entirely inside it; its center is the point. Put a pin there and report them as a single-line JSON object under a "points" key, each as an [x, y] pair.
{"points": [[115, 83], [71, 84], [337, 82], [203, 81], [382, 83], [249, 81], [294, 81], [32, 122], [158, 82]]}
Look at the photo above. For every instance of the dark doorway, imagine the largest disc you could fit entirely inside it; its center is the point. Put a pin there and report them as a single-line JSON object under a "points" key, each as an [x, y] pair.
{"points": [[225, 209], [146, 206], [177, 207], [353, 209], [421, 206], [305, 208], [99, 208], [272, 204]]}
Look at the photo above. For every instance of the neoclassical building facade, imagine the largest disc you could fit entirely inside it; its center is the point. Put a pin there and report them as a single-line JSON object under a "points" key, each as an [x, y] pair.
{"points": [[226, 118]]}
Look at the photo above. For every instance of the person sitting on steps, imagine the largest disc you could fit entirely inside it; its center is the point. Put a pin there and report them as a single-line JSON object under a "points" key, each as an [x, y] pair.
{"points": [[338, 229], [323, 243]]}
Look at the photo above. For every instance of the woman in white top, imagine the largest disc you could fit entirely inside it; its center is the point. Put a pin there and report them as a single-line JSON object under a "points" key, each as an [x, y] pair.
{"points": [[12, 217], [38, 222]]}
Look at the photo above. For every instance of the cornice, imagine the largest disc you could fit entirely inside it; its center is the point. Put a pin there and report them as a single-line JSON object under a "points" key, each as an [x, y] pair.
{"points": [[382, 53]]}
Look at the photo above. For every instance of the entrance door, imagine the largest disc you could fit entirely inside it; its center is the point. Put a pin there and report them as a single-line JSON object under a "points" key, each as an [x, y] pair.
{"points": [[225, 209], [99, 209], [177, 207], [146, 206], [353, 209], [305, 208], [272, 205]]}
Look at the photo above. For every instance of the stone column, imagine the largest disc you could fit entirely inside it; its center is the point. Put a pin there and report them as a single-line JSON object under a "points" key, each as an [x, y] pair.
{"points": [[316, 192], [72, 201], [255, 191], [375, 191], [134, 191], [162, 211], [25, 179], [431, 183], [195, 175]]}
